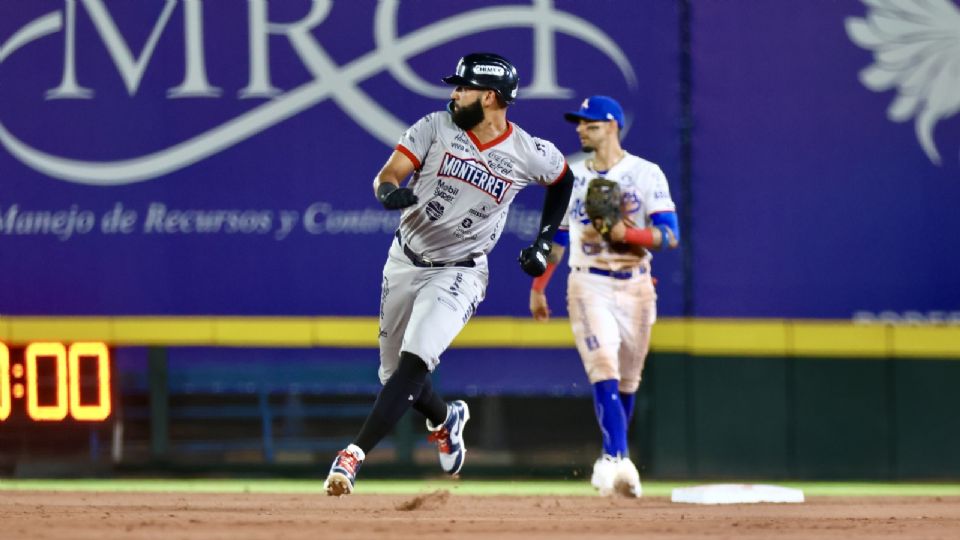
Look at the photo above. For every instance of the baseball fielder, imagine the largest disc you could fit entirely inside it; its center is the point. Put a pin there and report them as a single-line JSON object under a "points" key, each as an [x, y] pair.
{"points": [[610, 294], [467, 165]]}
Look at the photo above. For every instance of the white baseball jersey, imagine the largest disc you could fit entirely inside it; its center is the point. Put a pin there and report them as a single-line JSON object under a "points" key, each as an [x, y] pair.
{"points": [[645, 191], [465, 188]]}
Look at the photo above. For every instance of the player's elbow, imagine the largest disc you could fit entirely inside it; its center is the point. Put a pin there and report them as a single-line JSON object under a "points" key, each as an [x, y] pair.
{"points": [[564, 186]]}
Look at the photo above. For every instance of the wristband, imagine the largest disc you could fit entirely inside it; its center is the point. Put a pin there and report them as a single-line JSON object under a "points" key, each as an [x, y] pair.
{"points": [[640, 237], [665, 236], [384, 189], [540, 283]]}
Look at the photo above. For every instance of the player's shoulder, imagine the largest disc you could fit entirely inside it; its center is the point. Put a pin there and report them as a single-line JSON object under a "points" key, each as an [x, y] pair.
{"points": [[640, 166], [436, 125], [435, 120], [525, 141], [438, 118]]}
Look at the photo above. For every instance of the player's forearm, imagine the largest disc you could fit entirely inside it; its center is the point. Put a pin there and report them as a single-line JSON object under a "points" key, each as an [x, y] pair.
{"points": [[555, 205], [379, 180], [539, 284], [386, 185], [650, 237], [556, 253], [394, 172], [385, 182], [662, 234]]}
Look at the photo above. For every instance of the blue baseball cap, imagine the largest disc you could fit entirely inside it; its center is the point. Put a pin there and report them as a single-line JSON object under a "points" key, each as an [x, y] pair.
{"points": [[597, 109]]}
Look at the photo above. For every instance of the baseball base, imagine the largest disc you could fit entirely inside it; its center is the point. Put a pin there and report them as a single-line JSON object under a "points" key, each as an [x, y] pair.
{"points": [[736, 494]]}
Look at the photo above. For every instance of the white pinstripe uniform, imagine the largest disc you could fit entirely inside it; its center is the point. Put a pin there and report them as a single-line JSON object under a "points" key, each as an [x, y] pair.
{"points": [[610, 294], [465, 189]]}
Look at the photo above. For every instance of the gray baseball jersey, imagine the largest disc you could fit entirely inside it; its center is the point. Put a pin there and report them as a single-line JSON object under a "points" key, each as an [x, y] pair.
{"points": [[465, 188]]}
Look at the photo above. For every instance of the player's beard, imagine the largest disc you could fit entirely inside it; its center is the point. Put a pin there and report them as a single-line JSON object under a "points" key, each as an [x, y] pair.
{"points": [[587, 149], [466, 118]]}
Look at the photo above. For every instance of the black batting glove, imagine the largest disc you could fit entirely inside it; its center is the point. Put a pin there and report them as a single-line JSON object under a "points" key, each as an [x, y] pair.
{"points": [[394, 198], [533, 258]]}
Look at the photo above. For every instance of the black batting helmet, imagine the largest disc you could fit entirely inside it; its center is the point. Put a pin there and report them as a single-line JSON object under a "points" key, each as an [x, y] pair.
{"points": [[487, 70]]}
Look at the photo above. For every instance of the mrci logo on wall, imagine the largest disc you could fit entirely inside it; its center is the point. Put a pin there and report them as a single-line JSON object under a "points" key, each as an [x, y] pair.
{"points": [[84, 28]]}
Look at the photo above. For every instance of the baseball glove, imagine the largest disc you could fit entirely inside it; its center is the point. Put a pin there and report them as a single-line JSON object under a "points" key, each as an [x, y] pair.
{"points": [[602, 205]]}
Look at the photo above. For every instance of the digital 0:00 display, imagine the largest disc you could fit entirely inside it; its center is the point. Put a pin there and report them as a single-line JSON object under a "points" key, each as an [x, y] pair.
{"points": [[66, 366]]}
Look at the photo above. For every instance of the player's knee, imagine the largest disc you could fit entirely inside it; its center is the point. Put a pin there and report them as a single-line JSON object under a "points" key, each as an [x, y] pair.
{"points": [[412, 366], [384, 374], [629, 385], [601, 372]]}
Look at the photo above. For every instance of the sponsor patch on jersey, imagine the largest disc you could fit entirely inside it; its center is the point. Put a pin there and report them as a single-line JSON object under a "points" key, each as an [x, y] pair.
{"points": [[476, 174], [445, 191], [542, 148], [434, 210], [500, 162], [482, 212], [463, 234], [463, 144]]}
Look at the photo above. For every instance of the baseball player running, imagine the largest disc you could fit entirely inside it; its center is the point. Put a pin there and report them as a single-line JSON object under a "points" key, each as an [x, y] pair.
{"points": [[467, 165], [620, 208]]}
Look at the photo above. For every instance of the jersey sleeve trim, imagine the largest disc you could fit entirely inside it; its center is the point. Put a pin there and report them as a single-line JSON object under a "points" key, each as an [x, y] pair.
{"points": [[559, 176], [405, 151], [500, 138]]}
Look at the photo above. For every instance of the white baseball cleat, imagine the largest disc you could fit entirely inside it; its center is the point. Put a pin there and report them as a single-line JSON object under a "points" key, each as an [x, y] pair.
{"points": [[626, 480], [604, 471]]}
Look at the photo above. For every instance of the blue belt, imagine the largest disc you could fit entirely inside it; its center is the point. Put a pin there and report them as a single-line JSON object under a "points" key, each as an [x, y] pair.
{"points": [[615, 274]]}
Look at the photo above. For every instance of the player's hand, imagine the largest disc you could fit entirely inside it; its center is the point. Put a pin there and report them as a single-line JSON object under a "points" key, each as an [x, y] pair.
{"points": [[538, 306], [591, 236], [395, 198], [533, 258], [617, 232], [667, 239]]}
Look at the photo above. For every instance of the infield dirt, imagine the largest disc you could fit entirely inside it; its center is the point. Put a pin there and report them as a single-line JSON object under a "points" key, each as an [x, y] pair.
{"points": [[122, 515]]}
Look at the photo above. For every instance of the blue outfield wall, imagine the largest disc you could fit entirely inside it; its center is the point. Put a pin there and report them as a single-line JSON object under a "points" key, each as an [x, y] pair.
{"points": [[197, 174], [826, 159], [251, 193], [145, 171]]}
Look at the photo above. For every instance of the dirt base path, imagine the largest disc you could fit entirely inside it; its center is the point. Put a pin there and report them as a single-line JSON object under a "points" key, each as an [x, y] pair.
{"points": [[131, 516]]}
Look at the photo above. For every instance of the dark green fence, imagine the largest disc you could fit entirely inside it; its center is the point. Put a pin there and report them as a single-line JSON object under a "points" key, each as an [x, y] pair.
{"points": [[717, 417]]}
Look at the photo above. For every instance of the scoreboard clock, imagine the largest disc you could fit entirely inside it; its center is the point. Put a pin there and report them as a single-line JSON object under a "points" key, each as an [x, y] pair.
{"points": [[55, 382]]}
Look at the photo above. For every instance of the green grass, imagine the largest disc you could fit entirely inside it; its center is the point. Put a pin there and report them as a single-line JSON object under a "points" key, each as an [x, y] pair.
{"points": [[462, 487]]}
